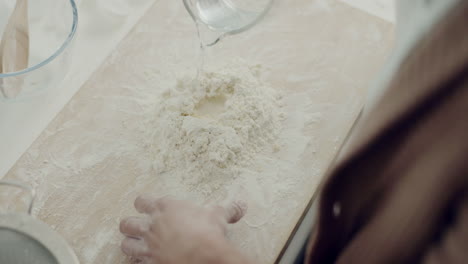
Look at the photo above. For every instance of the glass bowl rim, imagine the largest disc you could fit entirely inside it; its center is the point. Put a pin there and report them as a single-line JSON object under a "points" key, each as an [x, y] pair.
{"points": [[61, 49]]}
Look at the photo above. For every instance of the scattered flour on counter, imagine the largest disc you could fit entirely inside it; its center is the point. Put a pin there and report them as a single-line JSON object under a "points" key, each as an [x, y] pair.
{"points": [[206, 131]]}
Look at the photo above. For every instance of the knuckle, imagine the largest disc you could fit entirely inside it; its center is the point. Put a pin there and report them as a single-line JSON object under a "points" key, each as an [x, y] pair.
{"points": [[133, 248], [140, 200], [123, 225], [166, 202], [141, 228], [149, 203], [124, 247]]}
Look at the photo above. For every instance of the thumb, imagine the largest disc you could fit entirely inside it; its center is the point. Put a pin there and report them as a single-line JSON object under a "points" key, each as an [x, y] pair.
{"points": [[233, 211]]}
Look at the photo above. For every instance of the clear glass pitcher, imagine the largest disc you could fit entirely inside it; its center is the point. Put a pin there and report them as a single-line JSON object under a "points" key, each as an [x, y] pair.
{"points": [[227, 17]]}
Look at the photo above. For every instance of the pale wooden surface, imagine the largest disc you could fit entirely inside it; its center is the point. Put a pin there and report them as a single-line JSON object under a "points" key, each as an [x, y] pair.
{"points": [[90, 163]]}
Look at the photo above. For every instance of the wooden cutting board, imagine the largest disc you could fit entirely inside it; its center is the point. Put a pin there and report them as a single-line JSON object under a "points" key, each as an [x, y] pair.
{"points": [[89, 164]]}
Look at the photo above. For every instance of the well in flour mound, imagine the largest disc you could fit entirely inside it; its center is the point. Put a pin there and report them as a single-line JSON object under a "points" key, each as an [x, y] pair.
{"points": [[206, 132]]}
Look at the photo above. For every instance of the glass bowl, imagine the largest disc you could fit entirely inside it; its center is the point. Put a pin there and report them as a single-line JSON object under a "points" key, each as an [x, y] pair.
{"points": [[52, 27]]}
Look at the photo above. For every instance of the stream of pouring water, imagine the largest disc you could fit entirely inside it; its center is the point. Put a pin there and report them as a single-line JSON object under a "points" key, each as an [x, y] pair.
{"points": [[206, 38], [201, 54]]}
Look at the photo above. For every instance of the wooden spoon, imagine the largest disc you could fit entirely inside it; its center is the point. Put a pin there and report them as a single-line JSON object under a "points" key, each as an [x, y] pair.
{"points": [[14, 49]]}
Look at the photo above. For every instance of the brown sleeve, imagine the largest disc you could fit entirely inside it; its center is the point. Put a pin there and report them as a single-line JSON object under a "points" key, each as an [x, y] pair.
{"points": [[399, 193], [452, 247], [399, 209]]}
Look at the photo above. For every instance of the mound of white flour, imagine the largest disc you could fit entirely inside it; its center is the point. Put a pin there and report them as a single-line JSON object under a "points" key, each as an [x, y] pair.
{"points": [[207, 131]]}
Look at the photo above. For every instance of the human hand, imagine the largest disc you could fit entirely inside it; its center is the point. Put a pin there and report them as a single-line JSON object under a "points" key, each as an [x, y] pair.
{"points": [[180, 232]]}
